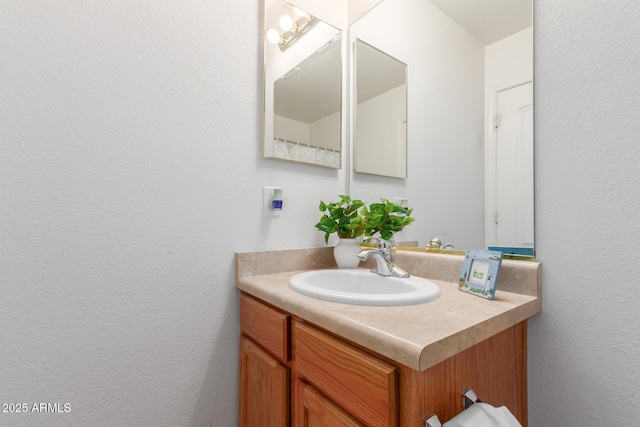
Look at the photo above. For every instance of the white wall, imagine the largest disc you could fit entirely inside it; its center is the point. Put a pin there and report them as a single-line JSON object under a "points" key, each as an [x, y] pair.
{"points": [[509, 61], [584, 368], [444, 121], [378, 126], [289, 129], [325, 132], [130, 173]]}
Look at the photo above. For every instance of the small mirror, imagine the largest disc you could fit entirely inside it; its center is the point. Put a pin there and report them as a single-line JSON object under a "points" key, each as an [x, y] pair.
{"points": [[380, 131], [303, 70]]}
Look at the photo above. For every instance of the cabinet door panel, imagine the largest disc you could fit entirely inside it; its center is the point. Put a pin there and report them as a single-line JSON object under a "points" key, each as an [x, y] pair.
{"points": [[264, 388], [266, 326], [363, 385], [315, 410]]}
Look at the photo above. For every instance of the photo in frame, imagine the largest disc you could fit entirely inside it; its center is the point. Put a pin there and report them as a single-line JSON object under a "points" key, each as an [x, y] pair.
{"points": [[479, 274]]}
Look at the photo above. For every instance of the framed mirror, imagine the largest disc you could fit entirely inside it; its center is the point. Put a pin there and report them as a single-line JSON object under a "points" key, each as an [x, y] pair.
{"points": [[303, 87], [380, 118]]}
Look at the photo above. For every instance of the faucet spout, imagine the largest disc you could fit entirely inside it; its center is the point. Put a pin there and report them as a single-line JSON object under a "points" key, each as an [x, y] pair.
{"points": [[384, 267]]}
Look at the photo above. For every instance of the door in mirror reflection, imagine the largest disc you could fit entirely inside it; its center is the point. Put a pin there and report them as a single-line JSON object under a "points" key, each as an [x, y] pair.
{"points": [[303, 69], [380, 130], [513, 190]]}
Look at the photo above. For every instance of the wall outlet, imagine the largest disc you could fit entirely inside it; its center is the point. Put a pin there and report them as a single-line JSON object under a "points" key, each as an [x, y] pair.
{"points": [[272, 202]]}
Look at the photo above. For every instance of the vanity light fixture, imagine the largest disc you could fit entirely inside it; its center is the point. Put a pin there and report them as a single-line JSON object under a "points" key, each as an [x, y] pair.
{"points": [[286, 23], [273, 36], [292, 30]]}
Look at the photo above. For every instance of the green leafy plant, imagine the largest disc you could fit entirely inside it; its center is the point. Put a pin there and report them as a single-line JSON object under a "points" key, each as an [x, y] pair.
{"points": [[387, 218], [343, 217]]}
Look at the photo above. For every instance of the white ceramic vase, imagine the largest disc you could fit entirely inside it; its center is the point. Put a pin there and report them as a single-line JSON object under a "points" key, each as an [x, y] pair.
{"points": [[346, 253]]}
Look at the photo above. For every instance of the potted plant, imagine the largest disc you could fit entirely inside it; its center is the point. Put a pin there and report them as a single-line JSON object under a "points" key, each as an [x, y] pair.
{"points": [[387, 218], [344, 217]]}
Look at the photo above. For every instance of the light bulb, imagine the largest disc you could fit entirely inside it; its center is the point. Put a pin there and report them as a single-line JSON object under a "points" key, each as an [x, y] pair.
{"points": [[273, 36], [286, 22], [299, 12]]}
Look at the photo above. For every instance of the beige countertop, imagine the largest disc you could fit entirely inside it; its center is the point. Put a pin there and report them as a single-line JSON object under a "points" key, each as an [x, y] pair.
{"points": [[418, 336]]}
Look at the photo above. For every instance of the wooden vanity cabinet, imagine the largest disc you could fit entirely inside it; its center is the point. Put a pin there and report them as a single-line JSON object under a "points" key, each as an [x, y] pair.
{"points": [[264, 386], [294, 374]]}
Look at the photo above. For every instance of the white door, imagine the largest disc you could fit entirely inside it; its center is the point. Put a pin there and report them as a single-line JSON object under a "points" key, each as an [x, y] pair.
{"points": [[513, 197]]}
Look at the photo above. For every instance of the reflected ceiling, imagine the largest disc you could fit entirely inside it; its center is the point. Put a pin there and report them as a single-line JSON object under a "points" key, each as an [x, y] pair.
{"points": [[488, 20], [302, 85]]}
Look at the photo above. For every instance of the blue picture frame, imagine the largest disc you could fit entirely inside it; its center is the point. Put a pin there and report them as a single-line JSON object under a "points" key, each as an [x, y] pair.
{"points": [[479, 274]]}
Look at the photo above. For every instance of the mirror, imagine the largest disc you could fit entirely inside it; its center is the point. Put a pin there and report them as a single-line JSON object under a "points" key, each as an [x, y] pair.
{"points": [[303, 90], [462, 57], [380, 119]]}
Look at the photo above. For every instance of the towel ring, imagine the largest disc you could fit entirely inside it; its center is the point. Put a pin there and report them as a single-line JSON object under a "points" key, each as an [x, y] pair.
{"points": [[432, 421], [469, 397]]}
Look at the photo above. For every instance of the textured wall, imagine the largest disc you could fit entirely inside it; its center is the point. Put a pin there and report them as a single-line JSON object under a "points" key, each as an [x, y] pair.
{"points": [[129, 176], [584, 369]]}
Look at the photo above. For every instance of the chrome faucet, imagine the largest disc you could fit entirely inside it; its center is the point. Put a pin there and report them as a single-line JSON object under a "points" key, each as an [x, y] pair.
{"points": [[383, 255], [437, 243]]}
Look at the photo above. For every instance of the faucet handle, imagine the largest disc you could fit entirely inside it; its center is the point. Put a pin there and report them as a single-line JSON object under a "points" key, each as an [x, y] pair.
{"points": [[384, 246]]}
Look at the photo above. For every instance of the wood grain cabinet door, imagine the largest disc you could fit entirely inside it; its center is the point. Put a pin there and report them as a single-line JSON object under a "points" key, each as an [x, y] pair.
{"points": [[364, 386], [266, 326], [315, 410], [264, 388]]}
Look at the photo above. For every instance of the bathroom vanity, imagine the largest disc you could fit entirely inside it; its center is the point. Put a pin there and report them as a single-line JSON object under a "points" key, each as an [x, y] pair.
{"points": [[305, 361]]}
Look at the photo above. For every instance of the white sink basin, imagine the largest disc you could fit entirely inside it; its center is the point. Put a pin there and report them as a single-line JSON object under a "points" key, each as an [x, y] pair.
{"points": [[363, 287]]}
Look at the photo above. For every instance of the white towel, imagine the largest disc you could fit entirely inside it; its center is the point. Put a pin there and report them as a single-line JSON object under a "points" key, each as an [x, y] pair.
{"points": [[483, 415]]}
